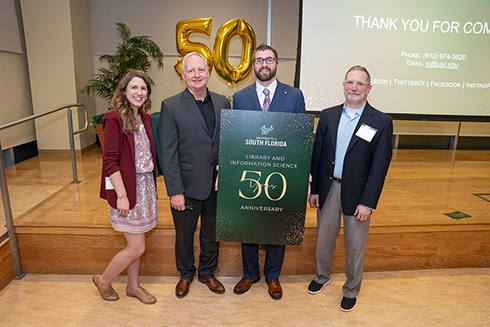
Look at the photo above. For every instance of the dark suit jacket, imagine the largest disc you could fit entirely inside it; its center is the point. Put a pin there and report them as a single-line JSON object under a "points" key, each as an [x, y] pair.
{"points": [[119, 155], [189, 153], [365, 164], [286, 99]]}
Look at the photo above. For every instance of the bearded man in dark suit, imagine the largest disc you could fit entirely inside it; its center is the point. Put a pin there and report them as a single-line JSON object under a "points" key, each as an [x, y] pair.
{"points": [[267, 94]]}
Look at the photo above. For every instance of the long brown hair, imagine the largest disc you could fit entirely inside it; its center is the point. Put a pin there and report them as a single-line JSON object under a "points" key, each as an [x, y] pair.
{"points": [[120, 103]]}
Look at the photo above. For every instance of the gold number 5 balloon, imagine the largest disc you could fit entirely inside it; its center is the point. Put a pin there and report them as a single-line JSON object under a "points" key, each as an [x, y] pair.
{"points": [[225, 33], [236, 26], [185, 46]]}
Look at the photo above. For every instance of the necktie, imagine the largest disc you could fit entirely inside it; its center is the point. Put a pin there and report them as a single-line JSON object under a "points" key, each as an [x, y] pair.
{"points": [[267, 100]]}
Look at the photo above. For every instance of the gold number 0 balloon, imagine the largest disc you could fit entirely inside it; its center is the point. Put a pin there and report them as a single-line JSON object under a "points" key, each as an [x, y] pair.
{"points": [[225, 33], [185, 46]]}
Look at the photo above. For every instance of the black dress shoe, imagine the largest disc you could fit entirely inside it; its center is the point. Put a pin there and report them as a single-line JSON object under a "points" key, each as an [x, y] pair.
{"points": [[213, 284], [315, 288], [275, 289], [244, 284], [347, 304], [182, 287]]}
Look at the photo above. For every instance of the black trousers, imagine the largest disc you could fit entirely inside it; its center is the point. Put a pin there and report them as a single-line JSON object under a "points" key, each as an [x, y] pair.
{"points": [[185, 223]]}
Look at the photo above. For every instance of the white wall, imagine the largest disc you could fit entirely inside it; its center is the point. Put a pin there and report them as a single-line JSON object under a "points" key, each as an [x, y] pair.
{"points": [[14, 83], [54, 31], [16, 103], [155, 18], [159, 18]]}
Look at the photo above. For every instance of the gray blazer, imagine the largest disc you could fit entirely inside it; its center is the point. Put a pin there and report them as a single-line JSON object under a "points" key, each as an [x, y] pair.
{"points": [[189, 154]]}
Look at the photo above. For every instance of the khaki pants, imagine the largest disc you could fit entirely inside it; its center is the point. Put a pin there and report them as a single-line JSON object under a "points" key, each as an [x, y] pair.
{"points": [[355, 237]]}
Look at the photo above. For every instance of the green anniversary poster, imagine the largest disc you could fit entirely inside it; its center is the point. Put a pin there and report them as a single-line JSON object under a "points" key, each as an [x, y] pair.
{"points": [[264, 165]]}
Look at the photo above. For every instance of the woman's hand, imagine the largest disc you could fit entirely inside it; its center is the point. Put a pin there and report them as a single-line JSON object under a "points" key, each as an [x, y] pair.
{"points": [[123, 206]]}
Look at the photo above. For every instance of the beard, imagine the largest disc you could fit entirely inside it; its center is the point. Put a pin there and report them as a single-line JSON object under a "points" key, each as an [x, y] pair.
{"points": [[354, 98], [265, 76]]}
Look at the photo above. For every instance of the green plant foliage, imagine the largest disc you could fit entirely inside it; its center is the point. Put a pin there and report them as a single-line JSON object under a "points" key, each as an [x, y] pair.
{"points": [[97, 119], [132, 53]]}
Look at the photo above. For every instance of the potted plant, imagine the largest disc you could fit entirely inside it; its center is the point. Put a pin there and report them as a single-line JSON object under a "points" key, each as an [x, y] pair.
{"points": [[132, 53]]}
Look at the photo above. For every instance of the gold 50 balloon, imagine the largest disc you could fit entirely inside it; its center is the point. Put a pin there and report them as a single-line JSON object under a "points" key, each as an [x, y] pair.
{"points": [[226, 32]]}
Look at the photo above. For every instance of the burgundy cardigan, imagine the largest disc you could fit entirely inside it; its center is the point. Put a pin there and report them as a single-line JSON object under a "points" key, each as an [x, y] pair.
{"points": [[119, 156]]}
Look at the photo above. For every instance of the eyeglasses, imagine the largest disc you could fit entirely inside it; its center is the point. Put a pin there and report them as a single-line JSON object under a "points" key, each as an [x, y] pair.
{"points": [[268, 60], [358, 84]]}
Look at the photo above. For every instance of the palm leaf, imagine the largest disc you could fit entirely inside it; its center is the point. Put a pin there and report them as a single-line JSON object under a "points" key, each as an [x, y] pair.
{"points": [[131, 53]]}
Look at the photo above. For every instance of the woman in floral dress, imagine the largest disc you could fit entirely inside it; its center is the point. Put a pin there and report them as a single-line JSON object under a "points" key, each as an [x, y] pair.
{"points": [[129, 181]]}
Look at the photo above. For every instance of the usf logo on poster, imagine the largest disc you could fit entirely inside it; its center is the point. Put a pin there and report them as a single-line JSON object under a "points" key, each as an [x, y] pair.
{"points": [[264, 165]]}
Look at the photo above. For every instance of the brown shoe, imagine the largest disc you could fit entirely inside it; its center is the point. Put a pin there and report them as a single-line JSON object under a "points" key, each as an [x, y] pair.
{"points": [[275, 289], [141, 294], [182, 287], [213, 284], [244, 284], [107, 294]]}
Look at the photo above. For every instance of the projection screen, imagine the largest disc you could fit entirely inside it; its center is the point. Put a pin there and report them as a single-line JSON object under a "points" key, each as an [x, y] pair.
{"points": [[425, 57]]}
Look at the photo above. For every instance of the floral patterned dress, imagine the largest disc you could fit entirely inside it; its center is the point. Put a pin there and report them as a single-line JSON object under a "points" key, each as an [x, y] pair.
{"points": [[144, 216]]}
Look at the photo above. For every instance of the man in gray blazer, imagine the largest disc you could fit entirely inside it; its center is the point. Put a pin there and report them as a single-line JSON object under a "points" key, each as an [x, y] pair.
{"points": [[188, 132], [350, 160], [267, 94]]}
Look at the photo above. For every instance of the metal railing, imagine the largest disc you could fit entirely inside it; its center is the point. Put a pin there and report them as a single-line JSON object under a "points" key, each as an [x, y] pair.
{"points": [[3, 179]]}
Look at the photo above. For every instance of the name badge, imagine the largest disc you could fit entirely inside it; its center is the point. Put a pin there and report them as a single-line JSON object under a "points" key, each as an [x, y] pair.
{"points": [[366, 132], [108, 184]]}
